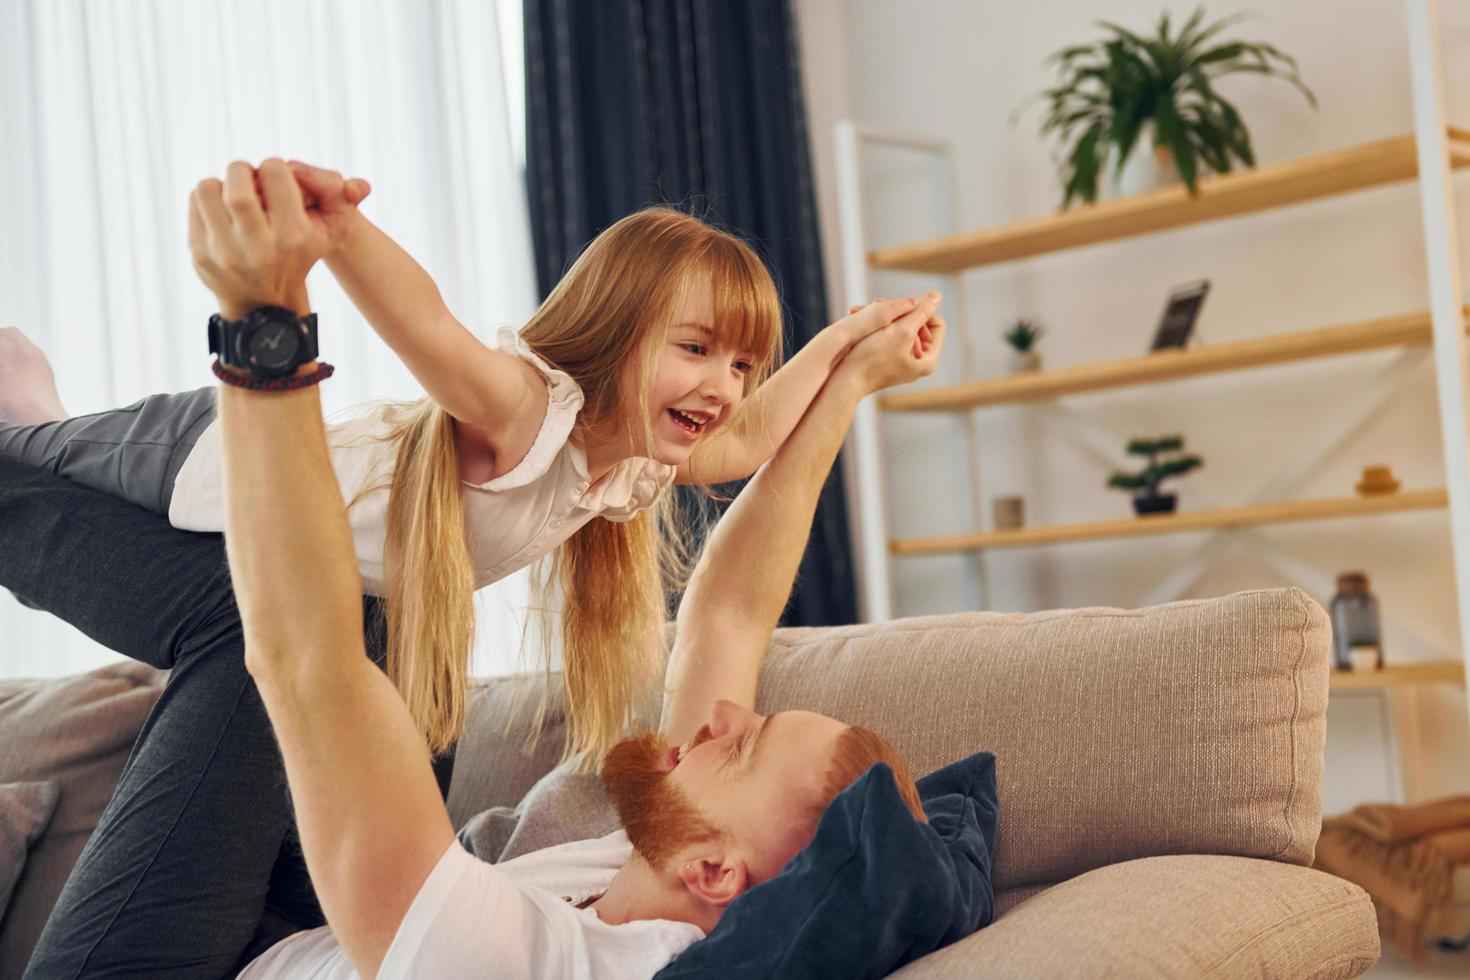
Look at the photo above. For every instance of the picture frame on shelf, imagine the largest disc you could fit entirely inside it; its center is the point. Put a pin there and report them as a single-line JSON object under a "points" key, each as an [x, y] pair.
{"points": [[1176, 326]]}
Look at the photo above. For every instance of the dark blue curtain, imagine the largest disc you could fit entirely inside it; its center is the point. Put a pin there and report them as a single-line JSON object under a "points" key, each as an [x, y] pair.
{"points": [[698, 104]]}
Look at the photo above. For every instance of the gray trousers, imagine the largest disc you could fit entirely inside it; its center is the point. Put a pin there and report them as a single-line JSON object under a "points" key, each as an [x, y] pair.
{"points": [[134, 453], [195, 867]]}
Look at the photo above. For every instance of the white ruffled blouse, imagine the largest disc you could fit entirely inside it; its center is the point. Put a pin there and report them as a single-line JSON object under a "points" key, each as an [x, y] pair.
{"points": [[510, 521]]}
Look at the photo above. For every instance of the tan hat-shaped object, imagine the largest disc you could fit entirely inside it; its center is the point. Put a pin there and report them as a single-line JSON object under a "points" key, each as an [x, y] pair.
{"points": [[1377, 480]]}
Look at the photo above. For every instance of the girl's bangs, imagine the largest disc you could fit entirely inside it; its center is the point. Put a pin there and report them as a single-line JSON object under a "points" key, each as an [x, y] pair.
{"points": [[747, 308]]}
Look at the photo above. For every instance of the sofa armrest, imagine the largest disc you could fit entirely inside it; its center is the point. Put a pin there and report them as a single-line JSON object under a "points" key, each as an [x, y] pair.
{"points": [[1187, 915]]}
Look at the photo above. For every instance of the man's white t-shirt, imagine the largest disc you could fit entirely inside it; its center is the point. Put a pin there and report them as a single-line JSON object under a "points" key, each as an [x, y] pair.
{"points": [[515, 919]]}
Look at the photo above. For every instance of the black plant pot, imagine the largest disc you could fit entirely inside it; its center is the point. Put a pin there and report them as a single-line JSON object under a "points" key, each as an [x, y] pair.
{"points": [[1158, 503]]}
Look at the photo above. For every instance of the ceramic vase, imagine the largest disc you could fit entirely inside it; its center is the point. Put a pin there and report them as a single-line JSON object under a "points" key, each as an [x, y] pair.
{"points": [[1148, 168], [1023, 361]]}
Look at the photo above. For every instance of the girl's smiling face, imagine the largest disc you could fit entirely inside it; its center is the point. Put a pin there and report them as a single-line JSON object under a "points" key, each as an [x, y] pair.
{"points": [[699, 381]]}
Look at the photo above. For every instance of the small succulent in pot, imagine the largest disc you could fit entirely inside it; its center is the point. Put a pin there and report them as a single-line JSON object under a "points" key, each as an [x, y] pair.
{"points": [[1145, 485], [1022, 336], [1112, 91]]}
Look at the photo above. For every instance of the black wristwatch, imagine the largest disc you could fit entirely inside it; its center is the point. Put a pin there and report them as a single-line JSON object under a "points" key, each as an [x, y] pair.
{"points": [[270, 342]]}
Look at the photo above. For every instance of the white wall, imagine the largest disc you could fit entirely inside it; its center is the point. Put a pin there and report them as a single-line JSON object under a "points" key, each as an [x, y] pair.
{"points": [[960, 69]]}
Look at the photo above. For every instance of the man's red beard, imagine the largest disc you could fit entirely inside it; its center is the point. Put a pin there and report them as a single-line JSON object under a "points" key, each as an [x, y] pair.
{"points": [[659, 817]]}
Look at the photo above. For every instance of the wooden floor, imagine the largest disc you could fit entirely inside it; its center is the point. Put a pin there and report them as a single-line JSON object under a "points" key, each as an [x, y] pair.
{"points": [[1437, 963]]}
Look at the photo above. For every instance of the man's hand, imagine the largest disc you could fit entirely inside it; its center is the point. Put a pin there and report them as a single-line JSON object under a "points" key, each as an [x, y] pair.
{"points": [[331, 200], [906, 350], [254, 249]]}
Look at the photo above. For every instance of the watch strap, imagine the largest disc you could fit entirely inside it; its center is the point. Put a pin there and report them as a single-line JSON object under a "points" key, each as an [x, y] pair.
{"points": [[290, 383], [217, 335], [308, 347]]}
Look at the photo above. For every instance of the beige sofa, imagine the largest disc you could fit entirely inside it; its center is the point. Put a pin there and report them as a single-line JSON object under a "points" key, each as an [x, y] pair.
{"points": [[1159, 773]]}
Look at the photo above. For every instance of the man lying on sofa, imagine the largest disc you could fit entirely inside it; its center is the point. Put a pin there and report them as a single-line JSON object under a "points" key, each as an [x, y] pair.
{"points": [[401, 897]]}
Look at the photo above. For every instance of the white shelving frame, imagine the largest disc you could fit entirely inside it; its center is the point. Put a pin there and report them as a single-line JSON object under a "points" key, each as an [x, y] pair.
{"points": [[865, 441], [869, 486], [1446, 304]]}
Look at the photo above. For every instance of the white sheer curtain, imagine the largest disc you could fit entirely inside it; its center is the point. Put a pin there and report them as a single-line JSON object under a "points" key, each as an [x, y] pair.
{"points": [[110, 113]]}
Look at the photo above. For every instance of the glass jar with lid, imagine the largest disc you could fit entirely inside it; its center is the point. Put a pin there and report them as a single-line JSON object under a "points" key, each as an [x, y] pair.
{"points": [[1356, 638]]}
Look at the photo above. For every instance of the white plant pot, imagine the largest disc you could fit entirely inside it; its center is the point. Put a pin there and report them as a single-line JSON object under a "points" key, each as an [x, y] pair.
{"points": [[1022, 361], [1148, 168]]}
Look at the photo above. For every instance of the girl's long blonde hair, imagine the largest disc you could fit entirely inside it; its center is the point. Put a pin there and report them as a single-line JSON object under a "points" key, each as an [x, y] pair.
{"points": [[609, 312]]}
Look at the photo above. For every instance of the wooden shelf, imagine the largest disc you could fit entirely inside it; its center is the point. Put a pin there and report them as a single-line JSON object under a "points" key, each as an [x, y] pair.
{"points": [[1170, 365], [1261, 514], [1431, 672], [1228, 195]]}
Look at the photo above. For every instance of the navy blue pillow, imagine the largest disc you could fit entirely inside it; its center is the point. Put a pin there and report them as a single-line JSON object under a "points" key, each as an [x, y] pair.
{"points": [[874, 889]]}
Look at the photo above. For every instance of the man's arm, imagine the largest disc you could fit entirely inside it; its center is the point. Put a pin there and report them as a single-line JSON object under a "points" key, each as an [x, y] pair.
{"points": [[371, 820], [770, 415], [744, 576]]}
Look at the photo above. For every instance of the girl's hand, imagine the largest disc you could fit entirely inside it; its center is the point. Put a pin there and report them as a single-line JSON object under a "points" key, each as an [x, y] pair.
{"points": [[330, 199], [862, 321], [870, 318], [254, 249], [906, 350]]}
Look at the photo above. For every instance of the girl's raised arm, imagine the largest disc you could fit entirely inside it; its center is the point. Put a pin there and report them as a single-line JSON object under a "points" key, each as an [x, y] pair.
{"points": [[776, 407], [500, 395]]}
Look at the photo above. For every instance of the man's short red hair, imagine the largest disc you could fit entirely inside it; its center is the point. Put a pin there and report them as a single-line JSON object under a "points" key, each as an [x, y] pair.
{"points": [[858, 750]]}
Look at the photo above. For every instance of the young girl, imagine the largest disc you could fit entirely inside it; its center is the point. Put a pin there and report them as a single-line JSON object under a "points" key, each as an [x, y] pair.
{"points": [[627, 379]]}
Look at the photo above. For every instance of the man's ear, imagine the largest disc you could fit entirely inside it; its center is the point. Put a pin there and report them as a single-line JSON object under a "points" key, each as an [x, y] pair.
{"points": [[715, 880]]}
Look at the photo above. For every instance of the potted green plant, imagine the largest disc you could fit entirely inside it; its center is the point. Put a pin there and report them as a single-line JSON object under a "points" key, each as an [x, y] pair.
{"points": [[1126, 87], [1022, 336], [1145, 485]]}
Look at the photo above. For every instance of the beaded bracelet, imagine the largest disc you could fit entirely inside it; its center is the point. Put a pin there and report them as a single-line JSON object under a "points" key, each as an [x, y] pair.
{"points": [[290, 383]]}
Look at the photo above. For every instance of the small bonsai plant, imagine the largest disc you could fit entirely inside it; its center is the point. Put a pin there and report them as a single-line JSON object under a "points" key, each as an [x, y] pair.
{"points": [[1145, 485], [1111, 91], [1022, 336]]}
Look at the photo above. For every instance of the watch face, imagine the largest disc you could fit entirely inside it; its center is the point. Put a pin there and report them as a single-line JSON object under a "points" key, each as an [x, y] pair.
{"points": [[273, 347]]}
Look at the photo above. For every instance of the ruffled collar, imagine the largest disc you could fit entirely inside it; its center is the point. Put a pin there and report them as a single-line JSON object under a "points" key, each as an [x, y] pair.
{"points": [[632, 485]]}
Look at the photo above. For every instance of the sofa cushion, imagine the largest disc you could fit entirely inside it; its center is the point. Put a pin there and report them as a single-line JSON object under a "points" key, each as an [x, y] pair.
{"points": [[1193, 915], [565, 805], [77, 732], [1193, 727], [508, 767], [25, 810], [874, 889], [503, 751]]}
